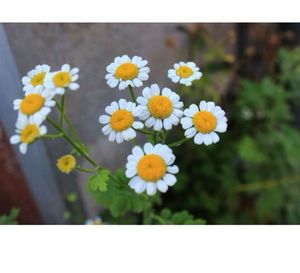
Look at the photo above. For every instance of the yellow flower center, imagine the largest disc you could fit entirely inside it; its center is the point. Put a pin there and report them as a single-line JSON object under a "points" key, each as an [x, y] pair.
{"points": [[204, 122], [121, 120], [184, 71], [38, 79], [160, 107], [151, 168], [126, 71], [31, 104], [66, 163], [62, 79], [29, 133]]}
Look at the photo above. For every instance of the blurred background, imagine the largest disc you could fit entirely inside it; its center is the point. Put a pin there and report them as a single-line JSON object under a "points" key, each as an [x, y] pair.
{"points": [[252, 176]]}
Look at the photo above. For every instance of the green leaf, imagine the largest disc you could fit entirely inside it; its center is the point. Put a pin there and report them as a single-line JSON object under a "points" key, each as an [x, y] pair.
{"points": [[99, 180], [178, 218], [119, 198], [10, 219]]}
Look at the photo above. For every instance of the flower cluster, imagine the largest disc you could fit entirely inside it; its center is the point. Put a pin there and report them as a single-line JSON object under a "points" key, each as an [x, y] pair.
{"points": [[151, 168], [40, 87]]}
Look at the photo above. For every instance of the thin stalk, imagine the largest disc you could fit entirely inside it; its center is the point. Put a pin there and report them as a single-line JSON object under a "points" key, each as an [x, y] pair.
{"points": [[62, 110], [179, 142], [68, 122], [79, 149], [143, 131], [132, 93], [52, 136], [85, 170]]}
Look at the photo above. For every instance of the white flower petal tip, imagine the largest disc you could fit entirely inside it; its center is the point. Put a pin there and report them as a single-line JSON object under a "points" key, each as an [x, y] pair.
{"points": [[159, 109], [27, 132], [59, 81], [119, 121], [150, 169], [203, 122], [184, 73], [126, 71]]}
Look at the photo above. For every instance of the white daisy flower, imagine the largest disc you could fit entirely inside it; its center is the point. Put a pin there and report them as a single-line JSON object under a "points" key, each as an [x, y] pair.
{"points": [[151, 169], [184, 73], [36, 76], [125, 71], [58, 81], [204, 123], [27, 131], [120, 123], [159, 109], [36, 103]]}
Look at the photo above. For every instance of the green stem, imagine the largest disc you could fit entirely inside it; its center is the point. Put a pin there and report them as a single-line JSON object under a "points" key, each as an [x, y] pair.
{"points": [[68, 122], [179, 142], [85, 170], [132, 93], [52, 136], [62, 110], [79, 149], [143, 131]]}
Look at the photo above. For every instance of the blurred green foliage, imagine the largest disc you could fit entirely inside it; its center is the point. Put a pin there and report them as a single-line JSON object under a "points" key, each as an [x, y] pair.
{"points": [[10, 218], [252, 176]]}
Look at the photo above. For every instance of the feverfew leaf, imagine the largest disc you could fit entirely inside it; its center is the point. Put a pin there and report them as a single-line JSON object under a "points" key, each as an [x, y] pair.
{"points": [[98, 181]]}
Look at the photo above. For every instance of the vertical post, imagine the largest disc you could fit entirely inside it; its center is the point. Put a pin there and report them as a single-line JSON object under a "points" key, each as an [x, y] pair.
{"points": [[35, 164]]}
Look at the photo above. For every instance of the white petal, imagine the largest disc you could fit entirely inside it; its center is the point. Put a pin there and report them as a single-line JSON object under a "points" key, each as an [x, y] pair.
{"points": [[150, 122], [151, 188], [119, 137], [186, 122], [65, 67], [43, 130], [147, 93], [112, 136], [199, 138], [148, 148], [130, 172], [172, 169], [207, 139], [202, 105], [23, 148], [104, 119], [210, 106], [215, 137], [166, 92], [129, 134], [162, 186], [189, 133], [158, 125], [155, 89], [137, 125], [74, 86], [137, 82], [167, 124], [140, 186], [137, 151], [106, 129], [15, 139], [122, 103], [170, 179]]}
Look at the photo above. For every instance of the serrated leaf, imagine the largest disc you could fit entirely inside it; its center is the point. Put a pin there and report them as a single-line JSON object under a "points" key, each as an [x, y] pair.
{"points": [[98, 181]]}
